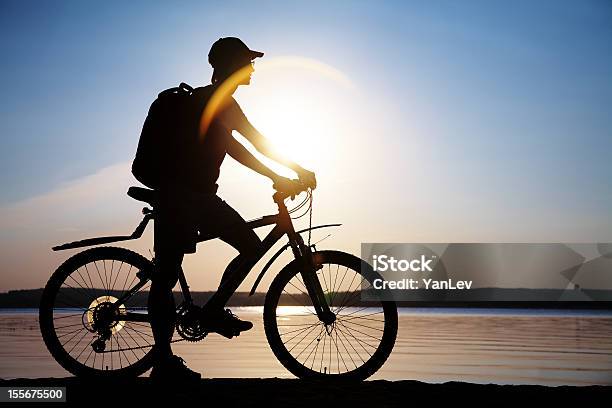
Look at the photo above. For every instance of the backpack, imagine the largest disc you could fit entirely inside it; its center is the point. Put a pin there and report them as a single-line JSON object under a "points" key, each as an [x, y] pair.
{"points": [[167, 137]]}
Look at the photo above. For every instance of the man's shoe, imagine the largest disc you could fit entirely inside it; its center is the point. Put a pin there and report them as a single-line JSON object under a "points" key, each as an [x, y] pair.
{"points": [[225, 323], [173, 369]]}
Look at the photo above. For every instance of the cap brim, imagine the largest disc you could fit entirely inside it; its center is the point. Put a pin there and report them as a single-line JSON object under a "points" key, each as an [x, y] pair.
{"points": [[255, 54]]}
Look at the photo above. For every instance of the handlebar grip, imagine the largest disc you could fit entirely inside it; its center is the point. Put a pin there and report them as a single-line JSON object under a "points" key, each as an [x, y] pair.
{"points": [[301, 187]]}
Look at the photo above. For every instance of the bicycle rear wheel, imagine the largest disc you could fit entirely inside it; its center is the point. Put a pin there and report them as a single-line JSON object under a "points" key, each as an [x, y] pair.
{"points": [[80, 325], [354, 347]]}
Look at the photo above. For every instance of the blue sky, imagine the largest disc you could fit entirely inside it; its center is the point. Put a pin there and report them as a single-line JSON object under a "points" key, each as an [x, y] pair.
{"points": [[77, 77], [482, 116]]}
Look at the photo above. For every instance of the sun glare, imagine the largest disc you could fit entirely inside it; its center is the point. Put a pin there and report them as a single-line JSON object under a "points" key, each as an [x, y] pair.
{"points": [[295, 102]]}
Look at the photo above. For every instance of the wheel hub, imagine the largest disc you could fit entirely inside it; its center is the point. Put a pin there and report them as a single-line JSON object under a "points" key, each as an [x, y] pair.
{"points": [[328, 318], [103, 314]]}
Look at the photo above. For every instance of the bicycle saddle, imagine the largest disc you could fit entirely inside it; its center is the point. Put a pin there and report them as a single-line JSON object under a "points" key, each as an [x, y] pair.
{"points": [[143, 194]]}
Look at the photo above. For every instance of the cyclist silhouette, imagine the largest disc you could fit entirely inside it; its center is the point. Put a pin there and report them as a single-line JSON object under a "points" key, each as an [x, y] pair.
{"points": [[188, 203]]}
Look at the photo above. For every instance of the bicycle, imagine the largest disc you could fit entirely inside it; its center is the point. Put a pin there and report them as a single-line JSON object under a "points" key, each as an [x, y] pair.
{"points": [[93, 315]]}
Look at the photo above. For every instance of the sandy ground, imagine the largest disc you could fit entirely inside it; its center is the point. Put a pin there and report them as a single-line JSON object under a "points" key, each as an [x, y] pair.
{"points": [[300, 393]]}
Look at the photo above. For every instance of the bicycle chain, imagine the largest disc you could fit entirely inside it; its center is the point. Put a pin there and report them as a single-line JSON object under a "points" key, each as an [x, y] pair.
{"points": [[137, 348]]}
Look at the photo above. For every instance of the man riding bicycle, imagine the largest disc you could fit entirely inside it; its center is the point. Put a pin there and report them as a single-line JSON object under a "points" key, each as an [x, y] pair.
{"points": [[188, 204]]}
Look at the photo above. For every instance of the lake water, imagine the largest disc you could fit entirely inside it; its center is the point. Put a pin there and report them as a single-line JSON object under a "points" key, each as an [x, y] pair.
{"points": [[434, 345]]}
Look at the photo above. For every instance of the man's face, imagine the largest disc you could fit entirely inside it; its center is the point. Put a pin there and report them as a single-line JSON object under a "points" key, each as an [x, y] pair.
{"points": [[243, 67], [246, 67], [239, 71]]}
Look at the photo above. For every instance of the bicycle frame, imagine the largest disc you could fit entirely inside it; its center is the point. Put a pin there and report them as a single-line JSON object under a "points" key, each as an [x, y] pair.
{"points": [[302, 253], [283, 225]]}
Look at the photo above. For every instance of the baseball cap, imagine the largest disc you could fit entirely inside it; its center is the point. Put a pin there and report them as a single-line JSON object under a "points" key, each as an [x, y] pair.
{"points": [[228, 49]]}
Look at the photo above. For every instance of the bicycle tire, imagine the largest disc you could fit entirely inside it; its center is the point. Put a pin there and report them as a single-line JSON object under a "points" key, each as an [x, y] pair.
{"points": [[301, 369], [48, 305]]}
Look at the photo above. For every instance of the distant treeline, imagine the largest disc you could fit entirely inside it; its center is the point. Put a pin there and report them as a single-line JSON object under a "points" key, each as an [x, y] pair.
{"points": [[82, 298]]}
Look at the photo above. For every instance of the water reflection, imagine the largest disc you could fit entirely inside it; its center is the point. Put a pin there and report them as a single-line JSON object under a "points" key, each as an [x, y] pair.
{"points": [[490, 346]]}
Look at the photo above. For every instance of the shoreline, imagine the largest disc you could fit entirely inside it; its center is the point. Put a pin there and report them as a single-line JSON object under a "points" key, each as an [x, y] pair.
{"points": [[423, 310], [480, 298]]}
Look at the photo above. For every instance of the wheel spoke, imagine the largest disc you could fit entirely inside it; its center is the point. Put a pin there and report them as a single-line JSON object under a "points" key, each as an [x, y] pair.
{"points": [[100, 276], [70, 315], [302, 339], [83, 294], [361, 316], [361, 341], [348, 291], [344, 346], [299, 333], [318, 339], [299, 303], [339, 286], [363, 325], [300, 330]]}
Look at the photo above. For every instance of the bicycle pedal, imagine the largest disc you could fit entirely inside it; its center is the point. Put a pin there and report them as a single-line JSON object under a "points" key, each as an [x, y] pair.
{"points": [[229, 335]]}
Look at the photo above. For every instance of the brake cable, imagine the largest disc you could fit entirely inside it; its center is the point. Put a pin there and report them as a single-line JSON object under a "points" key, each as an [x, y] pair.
{"points": [[308, 199], [310, 219], [300, 205]]}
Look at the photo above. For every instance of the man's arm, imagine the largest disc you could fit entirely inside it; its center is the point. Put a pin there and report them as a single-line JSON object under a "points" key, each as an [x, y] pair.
{"points": [[238, 152], [263, 146]]}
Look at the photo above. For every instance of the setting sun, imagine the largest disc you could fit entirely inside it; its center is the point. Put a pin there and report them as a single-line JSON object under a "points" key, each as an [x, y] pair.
{"points": [[295, 103]]}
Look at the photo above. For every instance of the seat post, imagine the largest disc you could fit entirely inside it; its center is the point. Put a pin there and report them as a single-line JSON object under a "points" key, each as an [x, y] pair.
{"points": [[184, 286]]}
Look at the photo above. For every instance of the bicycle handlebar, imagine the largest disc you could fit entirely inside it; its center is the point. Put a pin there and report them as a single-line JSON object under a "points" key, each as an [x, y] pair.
{"points": [[299, 188]]}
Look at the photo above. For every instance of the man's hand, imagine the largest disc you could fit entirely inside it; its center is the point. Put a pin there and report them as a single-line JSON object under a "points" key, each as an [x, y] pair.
{"points": [[285, 185], [307, 178]]}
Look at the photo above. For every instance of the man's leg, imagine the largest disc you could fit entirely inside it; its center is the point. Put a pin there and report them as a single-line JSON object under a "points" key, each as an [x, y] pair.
{"points": [[238, 269], [162, 308], [173, 231], [235, 231]]}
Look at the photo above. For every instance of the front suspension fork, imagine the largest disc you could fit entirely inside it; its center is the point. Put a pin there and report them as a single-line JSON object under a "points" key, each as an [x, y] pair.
{"points": [[308, 271]]}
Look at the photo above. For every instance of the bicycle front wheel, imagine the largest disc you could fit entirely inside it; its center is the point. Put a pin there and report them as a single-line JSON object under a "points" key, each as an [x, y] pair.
{"points": [[354, 346]]}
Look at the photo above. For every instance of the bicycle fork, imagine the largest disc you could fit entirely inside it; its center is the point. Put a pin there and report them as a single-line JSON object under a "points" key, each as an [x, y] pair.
{"points": [[308, 271]]}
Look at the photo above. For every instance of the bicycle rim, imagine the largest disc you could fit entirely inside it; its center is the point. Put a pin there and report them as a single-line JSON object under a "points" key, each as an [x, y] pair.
{"points": [[355, 346]]}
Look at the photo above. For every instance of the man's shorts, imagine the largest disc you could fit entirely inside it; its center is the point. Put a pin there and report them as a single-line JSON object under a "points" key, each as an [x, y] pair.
{"points": [[183, 217]]}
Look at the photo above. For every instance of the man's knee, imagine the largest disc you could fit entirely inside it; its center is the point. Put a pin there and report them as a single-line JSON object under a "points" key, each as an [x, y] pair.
{"points": [[250, 244], [255, 245], [246, 242], [167, 269]]}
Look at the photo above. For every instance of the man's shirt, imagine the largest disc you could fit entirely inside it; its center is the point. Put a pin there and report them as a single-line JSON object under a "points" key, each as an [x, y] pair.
{"points": [[198, 167]]}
